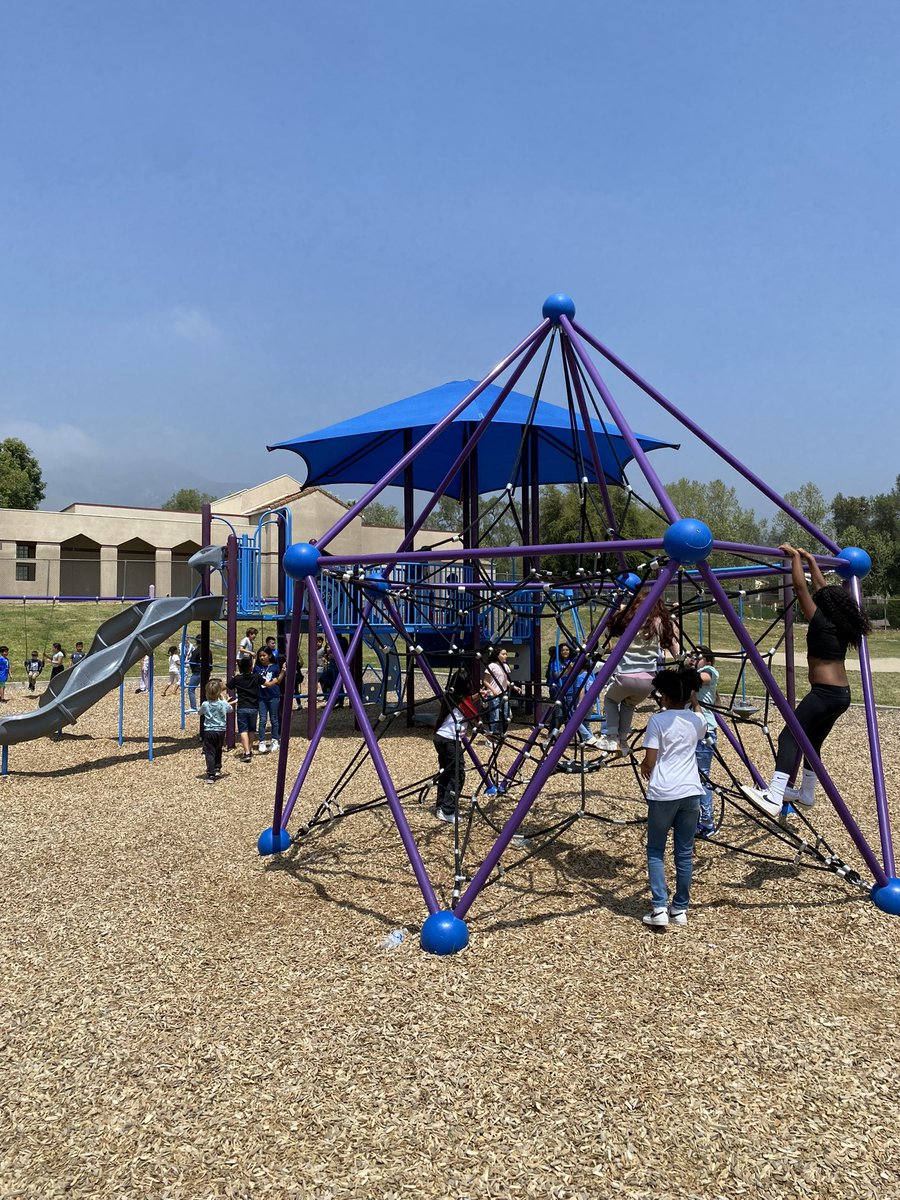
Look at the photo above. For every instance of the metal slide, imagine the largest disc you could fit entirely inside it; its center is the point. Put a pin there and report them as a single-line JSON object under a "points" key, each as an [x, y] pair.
{"points": [[118, 644]]}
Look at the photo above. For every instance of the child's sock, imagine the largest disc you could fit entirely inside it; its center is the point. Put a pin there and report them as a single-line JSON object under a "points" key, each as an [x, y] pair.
{"points": [[778, 784], [808, 785]]}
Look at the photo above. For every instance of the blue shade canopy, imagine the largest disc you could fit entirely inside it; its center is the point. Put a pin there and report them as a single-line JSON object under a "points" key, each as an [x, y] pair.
{"points": [[365, 448]]}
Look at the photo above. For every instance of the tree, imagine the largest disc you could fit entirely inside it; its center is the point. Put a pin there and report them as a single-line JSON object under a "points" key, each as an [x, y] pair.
{"points": [[717, 505], [187, 500], [376, 513], [21, 481], [809, 501]]}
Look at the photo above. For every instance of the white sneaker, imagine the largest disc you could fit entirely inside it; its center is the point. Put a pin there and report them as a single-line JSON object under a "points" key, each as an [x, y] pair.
{"points": [[658, 918], [678, 918], [274, 745], [444, 816], [262, 748], [591, 741], [762, 800], [609, 745]]}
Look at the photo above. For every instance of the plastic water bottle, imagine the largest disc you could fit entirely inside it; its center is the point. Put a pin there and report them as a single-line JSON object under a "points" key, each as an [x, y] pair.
{"points": [[394, 938]]}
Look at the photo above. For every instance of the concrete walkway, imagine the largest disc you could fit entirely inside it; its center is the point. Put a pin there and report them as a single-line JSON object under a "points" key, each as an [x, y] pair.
{"points": [[852, 663]]}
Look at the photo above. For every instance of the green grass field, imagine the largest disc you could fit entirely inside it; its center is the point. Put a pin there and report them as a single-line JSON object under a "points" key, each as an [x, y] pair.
{"points": [[36, 626]]}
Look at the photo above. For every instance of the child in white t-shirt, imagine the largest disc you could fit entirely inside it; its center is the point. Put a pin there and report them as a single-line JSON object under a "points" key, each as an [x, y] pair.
{"points": [[174, 671], [674, 791]]}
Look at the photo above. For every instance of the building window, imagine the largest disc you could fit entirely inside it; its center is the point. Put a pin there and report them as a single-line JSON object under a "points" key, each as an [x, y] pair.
{"points": [[26, 550], [25, 572]]}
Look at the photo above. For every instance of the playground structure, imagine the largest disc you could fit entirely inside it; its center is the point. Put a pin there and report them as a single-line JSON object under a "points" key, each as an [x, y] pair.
{"points": [[476, 609], [119, 643]]}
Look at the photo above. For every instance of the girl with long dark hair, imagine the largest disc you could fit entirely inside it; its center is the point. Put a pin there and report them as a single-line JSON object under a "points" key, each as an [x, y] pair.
{"points": [[835, 622]]}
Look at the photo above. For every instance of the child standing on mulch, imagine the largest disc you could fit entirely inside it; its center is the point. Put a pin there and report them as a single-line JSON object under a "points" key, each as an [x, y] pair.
{"points": [[214, 713], [57, 660], [4, 672], [174, 671], [674, 792], [457, 712], [144, 681], [244, 688]]}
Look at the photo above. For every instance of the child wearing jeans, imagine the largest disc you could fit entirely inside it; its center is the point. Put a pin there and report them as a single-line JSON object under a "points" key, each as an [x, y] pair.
{"points": [[674, 791], [214, 710]]}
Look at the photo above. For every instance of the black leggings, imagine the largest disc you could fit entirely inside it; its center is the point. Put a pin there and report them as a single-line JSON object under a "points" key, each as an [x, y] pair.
{"points": [[817, 714], [451, 773]]}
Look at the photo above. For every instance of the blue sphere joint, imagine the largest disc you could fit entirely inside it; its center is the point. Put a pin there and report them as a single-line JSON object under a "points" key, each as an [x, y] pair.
{"points": [[558, 305], [688, 541], [376, 582], [270, 842], [859, 564], [301, 560], [629, 580], [887, 896], [444, 933]]}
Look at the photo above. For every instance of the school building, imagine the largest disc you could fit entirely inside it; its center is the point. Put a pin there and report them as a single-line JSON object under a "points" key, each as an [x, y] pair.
{"points": [[110, 550]]}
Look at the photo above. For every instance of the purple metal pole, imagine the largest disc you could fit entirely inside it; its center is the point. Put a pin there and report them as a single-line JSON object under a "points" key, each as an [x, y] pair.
{"points": [[384, 775], [651, 545], [287, 706], [825, 561], [537, 659], [230, 629], [790, 673], [577, 663], [315, 734], [409, 518], [794, 725], [429, 437], [592, 443], [554, 754], [881, 804], [470, 442], [704, 437], [624, 428], [431, 680]]}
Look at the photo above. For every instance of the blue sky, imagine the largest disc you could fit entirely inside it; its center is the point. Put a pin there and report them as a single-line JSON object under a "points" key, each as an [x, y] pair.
{"points": [[224, 224]]}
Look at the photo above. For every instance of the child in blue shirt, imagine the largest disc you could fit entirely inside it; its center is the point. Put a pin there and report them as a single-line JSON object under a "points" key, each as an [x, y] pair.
{"points": [[214, 710], [4, 672]]}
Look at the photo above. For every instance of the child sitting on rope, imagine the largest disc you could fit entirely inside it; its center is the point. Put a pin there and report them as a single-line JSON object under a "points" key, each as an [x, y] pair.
{"points": [[33, 667], [674, 791]]}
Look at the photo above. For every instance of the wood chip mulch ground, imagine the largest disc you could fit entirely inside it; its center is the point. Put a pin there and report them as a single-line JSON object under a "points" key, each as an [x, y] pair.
{"points": [[182, 1019]]}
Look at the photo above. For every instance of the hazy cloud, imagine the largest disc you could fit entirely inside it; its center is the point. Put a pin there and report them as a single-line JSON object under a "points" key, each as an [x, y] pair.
{"points": [[180, 323]]}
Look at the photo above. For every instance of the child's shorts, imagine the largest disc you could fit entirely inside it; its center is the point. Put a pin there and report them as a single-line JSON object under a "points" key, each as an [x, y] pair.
{"points": [[247, 719], [174, 677]]}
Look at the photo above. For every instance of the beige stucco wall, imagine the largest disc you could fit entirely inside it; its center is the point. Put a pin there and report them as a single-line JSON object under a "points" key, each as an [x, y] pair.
{"points": [[110, 568]]}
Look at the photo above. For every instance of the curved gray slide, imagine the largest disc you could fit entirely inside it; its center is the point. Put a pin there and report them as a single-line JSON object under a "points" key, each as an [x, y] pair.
{"points": [[118, 644]]}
